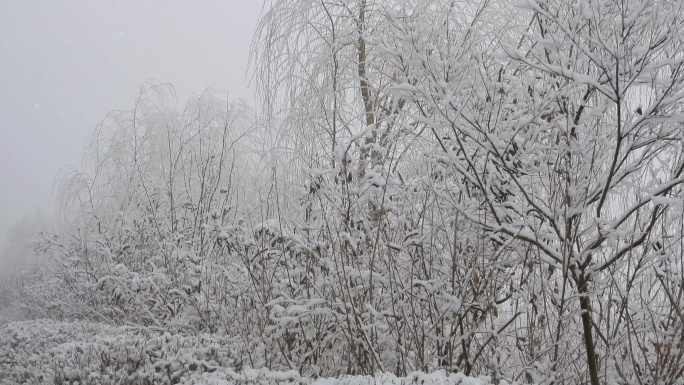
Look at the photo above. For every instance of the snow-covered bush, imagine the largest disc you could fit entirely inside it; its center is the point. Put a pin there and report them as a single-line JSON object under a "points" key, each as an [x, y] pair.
{"points": [[50, 352]]}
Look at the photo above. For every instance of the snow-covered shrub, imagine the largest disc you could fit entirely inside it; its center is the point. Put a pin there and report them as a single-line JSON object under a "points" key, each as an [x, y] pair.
{"points": [[50, 352]]}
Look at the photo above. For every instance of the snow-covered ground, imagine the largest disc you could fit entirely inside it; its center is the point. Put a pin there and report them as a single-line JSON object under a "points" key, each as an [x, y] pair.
{"points": [[51, 352]]}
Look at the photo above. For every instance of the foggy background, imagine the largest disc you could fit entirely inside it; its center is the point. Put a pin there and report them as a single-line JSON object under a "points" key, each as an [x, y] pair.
{"points": [[65, 64]]}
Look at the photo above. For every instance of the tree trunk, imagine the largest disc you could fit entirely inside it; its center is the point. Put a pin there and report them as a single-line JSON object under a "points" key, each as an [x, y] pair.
{"points": [[585, 306]]}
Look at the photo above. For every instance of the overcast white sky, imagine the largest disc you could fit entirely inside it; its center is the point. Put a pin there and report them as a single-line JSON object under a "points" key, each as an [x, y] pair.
{"points": [[65, 64]]}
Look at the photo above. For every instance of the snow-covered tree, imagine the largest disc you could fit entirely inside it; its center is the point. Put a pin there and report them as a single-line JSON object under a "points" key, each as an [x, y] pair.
{"points": [[485, 187], [568, 146]]}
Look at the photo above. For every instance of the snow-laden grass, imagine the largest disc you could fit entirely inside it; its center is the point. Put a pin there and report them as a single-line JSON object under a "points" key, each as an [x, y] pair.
{"points": [[52, 352]]}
